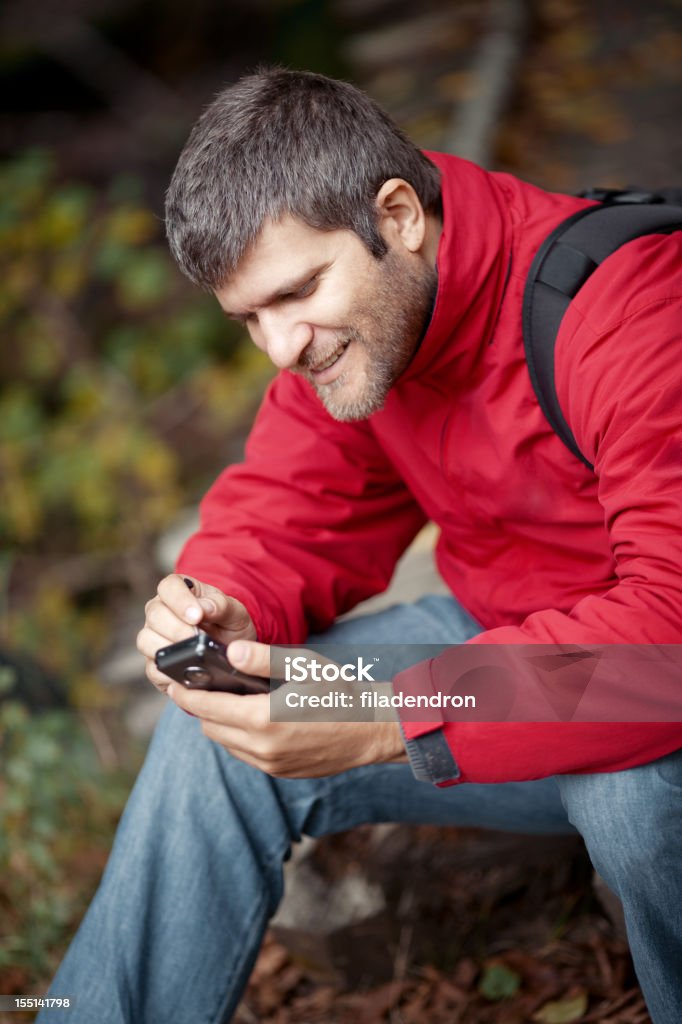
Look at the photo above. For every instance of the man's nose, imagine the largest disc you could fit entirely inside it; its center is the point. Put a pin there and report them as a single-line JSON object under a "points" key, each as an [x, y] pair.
{"points": [[282, 337]]}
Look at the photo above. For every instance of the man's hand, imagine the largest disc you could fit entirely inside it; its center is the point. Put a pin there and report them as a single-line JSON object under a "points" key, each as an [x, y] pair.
{"points": [[304, 749], [177, 608]]}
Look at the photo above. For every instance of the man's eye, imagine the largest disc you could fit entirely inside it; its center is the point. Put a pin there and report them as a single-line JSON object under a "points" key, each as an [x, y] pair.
{"points": [[307, 289]]}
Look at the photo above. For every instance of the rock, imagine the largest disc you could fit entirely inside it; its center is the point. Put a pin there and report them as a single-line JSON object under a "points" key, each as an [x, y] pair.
{"points": [[351, 900]]}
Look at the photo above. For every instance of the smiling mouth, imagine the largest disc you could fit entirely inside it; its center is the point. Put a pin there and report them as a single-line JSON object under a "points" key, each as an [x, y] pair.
{"points": [[333, 358]]}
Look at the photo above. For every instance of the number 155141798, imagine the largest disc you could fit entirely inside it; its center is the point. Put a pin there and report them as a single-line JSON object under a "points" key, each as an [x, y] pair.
{"points": [[35, 1003]]}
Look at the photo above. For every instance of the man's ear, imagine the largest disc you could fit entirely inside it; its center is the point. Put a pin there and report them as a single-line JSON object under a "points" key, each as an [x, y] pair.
{"points": [[401, 214]]}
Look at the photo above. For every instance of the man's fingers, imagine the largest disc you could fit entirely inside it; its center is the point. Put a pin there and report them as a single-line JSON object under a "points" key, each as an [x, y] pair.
{"points": [[238, 723], [250, 656], [273, 664], [149, 641], [178, 609], [242, 712], [202, 603], [163, 621], [192, 604], [183, 601], [158, 679]]}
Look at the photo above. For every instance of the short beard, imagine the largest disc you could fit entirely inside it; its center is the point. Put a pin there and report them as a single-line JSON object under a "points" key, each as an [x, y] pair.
{"points": [[389, 325]]}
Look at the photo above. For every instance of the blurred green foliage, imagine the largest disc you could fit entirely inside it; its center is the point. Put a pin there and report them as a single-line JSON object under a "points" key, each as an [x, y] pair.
{"points": [[119, 384], [58, 811]]}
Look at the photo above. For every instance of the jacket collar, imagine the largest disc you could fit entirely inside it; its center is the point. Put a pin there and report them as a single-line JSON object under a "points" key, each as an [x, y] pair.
{"points": [[472, 263]]}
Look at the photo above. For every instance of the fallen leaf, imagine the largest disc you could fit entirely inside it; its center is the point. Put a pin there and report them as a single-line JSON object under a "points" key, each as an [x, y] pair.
{"points": [[563, 1011], [498, 982]]}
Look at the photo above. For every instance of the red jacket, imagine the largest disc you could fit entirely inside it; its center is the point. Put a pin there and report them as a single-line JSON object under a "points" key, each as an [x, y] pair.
{"points": [[537, 547]]}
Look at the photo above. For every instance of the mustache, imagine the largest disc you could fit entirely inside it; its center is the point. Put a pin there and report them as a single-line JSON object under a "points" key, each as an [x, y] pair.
{"points": [[312, 357]]}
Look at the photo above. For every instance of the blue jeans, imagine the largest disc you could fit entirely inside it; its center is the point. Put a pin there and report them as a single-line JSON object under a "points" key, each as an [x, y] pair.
{"points": [[196, 869]]}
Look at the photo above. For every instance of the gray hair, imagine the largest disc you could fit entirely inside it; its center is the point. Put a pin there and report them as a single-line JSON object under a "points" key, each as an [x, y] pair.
{"points": [[285, 142]]}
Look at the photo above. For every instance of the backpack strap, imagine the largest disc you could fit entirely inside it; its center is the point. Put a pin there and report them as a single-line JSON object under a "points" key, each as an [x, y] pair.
{"points": [[562, 264]]}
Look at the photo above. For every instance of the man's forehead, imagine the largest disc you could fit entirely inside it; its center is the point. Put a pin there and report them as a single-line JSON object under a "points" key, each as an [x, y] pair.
{"points": [[282, 233], [285, 241]]}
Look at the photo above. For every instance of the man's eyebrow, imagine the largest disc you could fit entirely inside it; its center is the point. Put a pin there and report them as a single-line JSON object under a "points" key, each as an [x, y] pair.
{"points": [[290, 288]]}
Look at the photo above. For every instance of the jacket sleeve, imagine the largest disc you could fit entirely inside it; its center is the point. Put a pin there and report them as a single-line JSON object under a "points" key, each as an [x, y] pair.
{"points": [[311, 523], [619, 382]]}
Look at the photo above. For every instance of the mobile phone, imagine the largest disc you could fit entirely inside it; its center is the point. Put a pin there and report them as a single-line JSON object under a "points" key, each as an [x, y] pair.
{"points": [[201, 663]]}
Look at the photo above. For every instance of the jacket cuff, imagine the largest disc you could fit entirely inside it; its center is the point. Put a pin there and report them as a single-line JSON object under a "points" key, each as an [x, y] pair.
{"points": [[431, 759]]}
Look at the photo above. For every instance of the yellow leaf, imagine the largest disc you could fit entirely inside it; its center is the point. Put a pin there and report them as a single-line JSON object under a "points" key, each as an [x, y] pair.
{"points": [[563, 1011], [131, 225], [68, 277]]}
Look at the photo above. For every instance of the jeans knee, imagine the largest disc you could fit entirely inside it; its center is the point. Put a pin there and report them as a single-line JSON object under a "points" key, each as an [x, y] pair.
{"points": [[628, 822]]}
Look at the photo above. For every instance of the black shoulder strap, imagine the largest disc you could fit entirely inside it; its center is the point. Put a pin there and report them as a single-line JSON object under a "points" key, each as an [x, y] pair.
{"points": [[564, 262]]}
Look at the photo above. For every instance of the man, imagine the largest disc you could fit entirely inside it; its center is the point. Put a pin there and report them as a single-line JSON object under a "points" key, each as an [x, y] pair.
{"points": [[386, 285]]}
